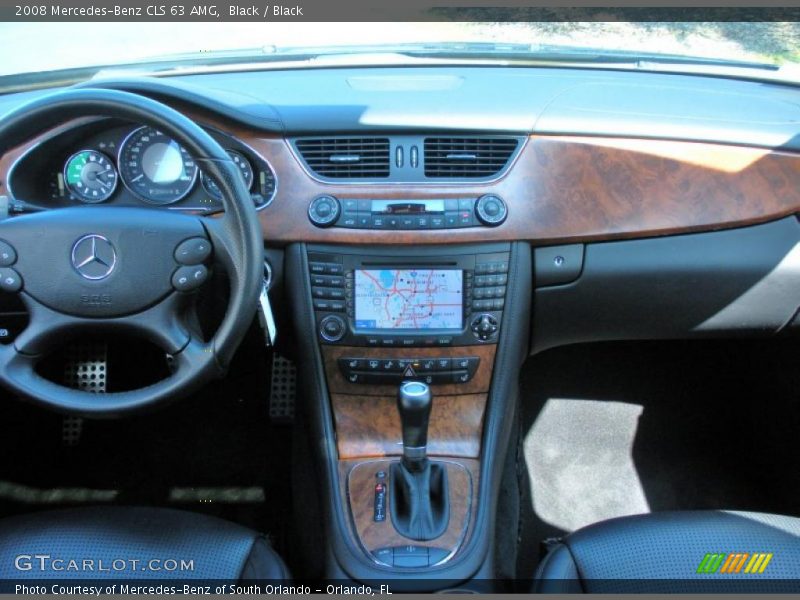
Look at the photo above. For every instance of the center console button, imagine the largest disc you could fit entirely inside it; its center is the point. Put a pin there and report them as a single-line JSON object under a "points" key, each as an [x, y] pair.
{"points": [[323, 305], [443, 364], [460, 376], [426, 364], [334, 269], [461, 363], [390, 365], [353, 364], [373, 364], [410, 556]]}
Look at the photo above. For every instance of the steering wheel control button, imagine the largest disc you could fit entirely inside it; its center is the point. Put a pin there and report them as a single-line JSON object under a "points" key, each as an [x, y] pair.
{"points": [[10, 281], [491, 210], [324, 211], [94, 257], [8, 256], [332, 328], [187, 279], [193, 251]]}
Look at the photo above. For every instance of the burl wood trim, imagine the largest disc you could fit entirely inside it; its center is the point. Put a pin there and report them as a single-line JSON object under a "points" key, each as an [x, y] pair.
{"points": [[338, 384], [567, 189], [370, 425], [560, 189], [357, 480]]}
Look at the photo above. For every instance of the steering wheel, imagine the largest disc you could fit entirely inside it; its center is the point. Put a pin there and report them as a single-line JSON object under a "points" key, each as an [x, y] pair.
{"points": [[109, 269]]}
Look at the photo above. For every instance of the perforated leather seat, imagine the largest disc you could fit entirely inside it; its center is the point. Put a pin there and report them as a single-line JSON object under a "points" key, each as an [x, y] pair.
{"points": [[217, 549], [667, 552]]}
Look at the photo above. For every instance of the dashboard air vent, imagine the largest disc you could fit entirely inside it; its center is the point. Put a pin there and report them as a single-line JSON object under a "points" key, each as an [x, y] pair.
{"points": [[453, 157], [346, 158]]}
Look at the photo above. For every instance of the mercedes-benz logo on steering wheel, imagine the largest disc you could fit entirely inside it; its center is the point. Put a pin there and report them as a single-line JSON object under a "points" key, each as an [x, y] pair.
{"points": [[94, 257]]}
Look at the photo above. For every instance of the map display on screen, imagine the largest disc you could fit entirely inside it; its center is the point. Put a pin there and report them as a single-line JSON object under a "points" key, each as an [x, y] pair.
{"points": [[408, 299]]}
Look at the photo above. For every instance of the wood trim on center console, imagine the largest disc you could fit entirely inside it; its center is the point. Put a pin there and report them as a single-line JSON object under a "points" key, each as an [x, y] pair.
{"points": [[357, 486], [339, 385], [370, 425], [366, 417]]}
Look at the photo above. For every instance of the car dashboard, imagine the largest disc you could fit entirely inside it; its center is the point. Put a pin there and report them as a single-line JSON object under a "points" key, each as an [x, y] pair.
{"points": [[543, 207]]}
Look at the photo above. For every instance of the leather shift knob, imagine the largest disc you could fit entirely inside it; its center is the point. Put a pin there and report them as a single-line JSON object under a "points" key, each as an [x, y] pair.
{"points": [[414, 401]]}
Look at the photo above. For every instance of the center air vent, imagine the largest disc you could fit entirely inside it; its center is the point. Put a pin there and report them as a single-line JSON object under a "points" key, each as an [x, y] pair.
{"points": [[346, 158], [454, 157]]}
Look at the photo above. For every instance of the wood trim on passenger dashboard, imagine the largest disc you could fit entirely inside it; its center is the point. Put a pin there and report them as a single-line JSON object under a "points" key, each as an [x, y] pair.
{"points": [[560, 189]]}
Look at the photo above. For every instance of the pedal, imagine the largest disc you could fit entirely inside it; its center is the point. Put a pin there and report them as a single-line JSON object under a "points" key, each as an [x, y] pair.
{"points": [[283, 389], [86, 369]]}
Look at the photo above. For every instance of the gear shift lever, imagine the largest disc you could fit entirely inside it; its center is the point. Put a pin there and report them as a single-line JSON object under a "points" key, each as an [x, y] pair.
{"points": [[420, 503], [414, 402]]}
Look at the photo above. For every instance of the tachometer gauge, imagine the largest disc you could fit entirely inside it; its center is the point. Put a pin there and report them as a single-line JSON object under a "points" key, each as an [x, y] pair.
{"points": [[245, 170], [90, 176], [155, 167]]}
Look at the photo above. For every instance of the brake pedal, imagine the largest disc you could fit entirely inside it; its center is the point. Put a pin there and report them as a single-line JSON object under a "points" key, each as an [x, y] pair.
{"points": [[283, 389]]}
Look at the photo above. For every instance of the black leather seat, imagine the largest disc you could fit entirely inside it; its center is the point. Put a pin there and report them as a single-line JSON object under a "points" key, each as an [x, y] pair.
{"points": [[662, 552], [218, 549]]}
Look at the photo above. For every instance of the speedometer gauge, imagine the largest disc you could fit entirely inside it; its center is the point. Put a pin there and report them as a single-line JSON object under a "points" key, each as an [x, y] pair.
{"points": [[156, 167], [242, 165], [90, 176]]}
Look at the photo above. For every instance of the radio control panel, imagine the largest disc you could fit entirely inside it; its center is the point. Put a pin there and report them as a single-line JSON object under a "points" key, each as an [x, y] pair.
{"points": [[390, 301]]}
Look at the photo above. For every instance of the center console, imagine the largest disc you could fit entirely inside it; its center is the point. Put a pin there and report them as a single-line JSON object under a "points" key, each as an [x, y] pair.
{"points": [[387, 317]]}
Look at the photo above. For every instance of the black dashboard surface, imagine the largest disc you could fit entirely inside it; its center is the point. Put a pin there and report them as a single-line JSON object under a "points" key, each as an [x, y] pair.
{"points": [[542, 100]]}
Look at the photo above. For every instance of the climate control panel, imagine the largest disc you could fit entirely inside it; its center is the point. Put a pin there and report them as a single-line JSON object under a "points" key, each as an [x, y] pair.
{"points": [[407, 214]]}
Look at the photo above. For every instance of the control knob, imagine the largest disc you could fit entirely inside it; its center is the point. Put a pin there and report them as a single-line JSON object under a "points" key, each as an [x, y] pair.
{"points": [[332, 328], [323, 211], [491, 210], [484, 327]]}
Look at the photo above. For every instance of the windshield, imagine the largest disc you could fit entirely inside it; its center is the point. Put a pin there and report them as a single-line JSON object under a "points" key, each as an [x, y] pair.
{"points": [[42, 47]]}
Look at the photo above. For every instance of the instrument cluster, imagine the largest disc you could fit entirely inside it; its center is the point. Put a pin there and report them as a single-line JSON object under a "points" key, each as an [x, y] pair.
{"points": [[130, 165]]}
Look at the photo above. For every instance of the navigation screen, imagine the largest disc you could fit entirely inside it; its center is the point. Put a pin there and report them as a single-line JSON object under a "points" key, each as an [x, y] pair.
{"points": [[408, 299]]}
